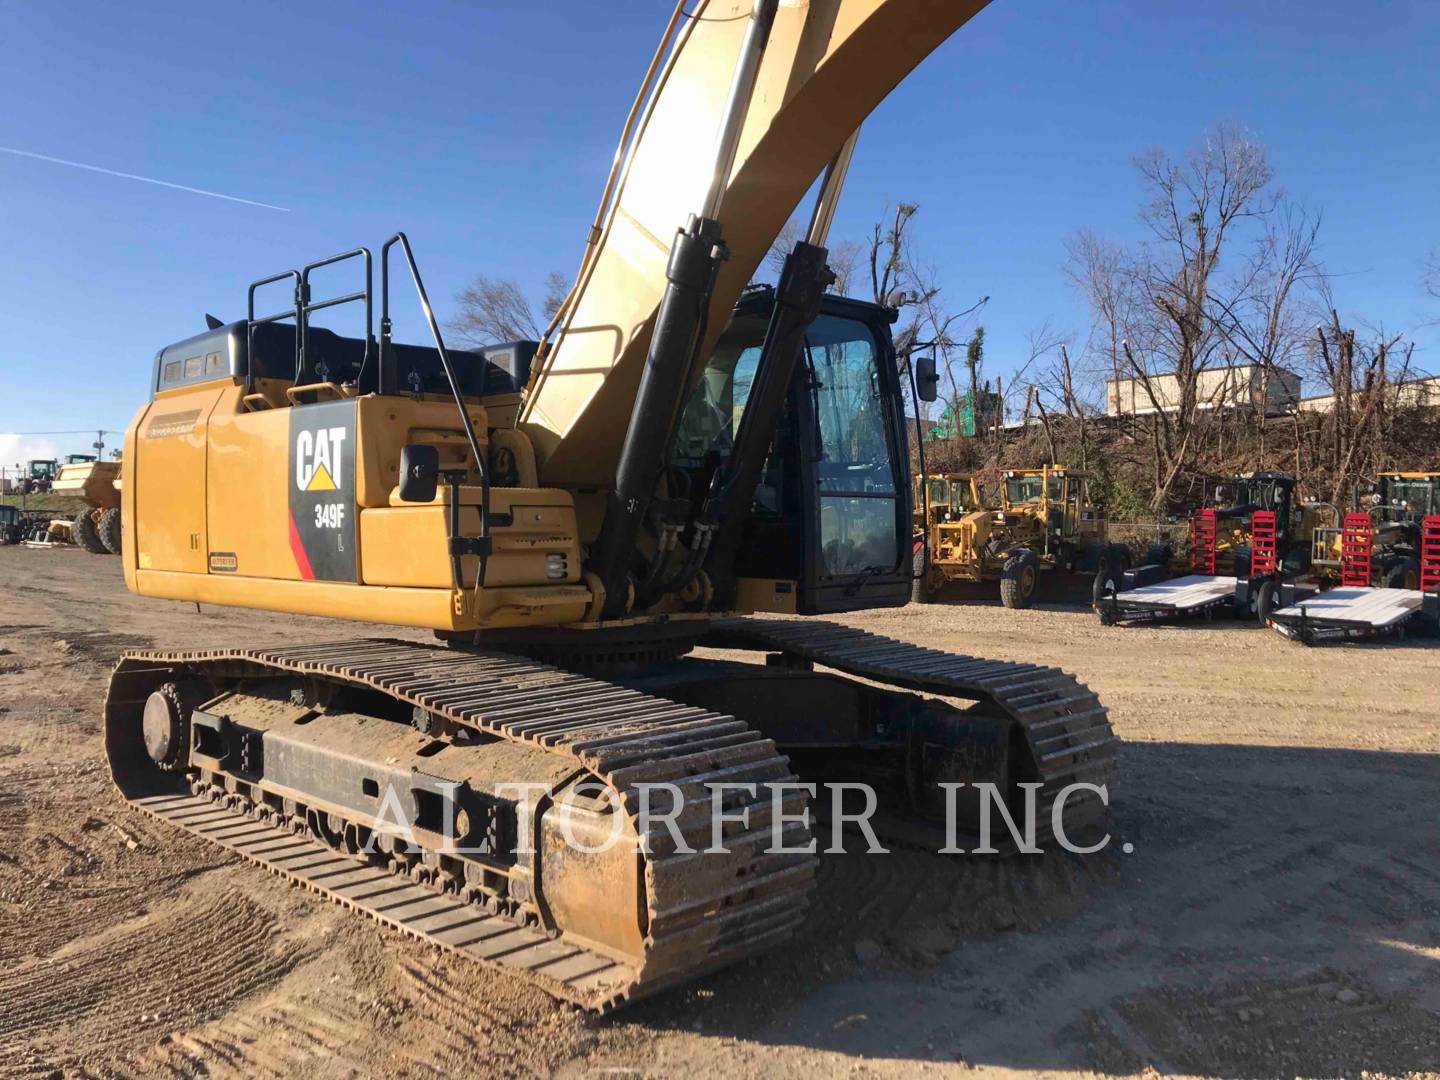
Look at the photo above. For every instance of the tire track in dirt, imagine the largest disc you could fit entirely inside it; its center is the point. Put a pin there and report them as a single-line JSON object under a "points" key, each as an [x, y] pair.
{"points": [[101, 997], [388, 1013]]}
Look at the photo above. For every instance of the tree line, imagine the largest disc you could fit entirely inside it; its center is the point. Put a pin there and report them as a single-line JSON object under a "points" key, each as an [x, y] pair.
{"points": [[1226, 271]]}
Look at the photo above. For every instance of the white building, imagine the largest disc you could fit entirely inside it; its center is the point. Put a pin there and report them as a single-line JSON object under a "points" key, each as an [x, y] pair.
{"points": [[1424, 391], [1237, 386]]}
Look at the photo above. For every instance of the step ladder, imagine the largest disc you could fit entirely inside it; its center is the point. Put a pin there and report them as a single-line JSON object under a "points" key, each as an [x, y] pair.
{"points": [[1430, 553], [1202, 542], [1263, 543], [1356, 538]]}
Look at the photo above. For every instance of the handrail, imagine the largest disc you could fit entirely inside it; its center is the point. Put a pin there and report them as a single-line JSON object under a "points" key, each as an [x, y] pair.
{"points": [[292, 393], [304, 307], [924, 475], [251, 322], [450, 376]]}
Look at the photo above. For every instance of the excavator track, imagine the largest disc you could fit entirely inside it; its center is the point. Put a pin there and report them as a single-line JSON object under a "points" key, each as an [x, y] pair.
{"points": [[702, 910], [1066, 729]]}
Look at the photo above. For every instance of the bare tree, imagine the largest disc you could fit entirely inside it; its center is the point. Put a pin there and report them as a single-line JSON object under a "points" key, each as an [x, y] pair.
{"points": [[1102, 273], [937, 327], [781, 246], [1172, 330], [1265, 323], [557, 286], [492, 310], [1044, 343], [1430, 278], [844, 260], [1364, 382]]}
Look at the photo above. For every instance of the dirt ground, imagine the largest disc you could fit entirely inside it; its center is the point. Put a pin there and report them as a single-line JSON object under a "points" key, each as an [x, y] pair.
{"points": [[1278, 913]]}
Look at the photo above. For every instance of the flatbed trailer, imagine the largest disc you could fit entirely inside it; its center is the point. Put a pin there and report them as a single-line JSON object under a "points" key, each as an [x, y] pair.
{"points": [[1356, 610], [1146, 594], [1191, 595], [1349, 612]]}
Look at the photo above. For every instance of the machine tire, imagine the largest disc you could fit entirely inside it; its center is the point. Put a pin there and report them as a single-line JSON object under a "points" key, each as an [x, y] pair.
{"points": [[109, 529], [920, 582], [1020, 579], [1403, 573], [1105, 579], [87, 534], [1110, 567], [1159, 555], [1265, 600]]}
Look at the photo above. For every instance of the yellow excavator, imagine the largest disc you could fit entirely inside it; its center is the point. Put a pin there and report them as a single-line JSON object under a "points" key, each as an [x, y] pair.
{"points": [[682, 461]]}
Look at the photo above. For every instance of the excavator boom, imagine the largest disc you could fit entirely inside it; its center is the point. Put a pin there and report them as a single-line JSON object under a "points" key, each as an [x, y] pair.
{"points": [[826, 65]]}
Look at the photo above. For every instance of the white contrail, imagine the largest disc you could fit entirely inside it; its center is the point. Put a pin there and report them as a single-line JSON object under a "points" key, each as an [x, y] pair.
{"points": [[142, 179]]}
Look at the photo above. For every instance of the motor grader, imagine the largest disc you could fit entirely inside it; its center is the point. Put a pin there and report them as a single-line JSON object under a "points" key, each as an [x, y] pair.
{"points": [[96, 526], [938, 499], [1044, 521], [571, 518], [1392, 532]]}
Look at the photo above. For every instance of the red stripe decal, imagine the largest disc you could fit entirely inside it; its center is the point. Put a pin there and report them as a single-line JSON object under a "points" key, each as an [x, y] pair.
{"points": [[302, 561]]}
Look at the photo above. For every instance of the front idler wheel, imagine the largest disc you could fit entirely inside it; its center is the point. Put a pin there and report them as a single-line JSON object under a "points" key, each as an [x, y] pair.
{"points": [[165, 726]]}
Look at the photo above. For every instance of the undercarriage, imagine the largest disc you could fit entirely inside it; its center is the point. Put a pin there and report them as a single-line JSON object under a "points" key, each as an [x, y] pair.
{"points": [[605, 836]]}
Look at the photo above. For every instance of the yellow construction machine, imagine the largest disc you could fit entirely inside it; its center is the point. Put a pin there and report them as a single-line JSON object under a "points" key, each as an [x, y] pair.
{"points": [[1392, 531], [938, 500], [1044, 520], [96, 525], [571, 518]]}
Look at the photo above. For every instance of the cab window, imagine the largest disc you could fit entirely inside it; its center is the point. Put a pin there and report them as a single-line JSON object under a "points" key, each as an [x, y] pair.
{"points": [[1023, 489]]}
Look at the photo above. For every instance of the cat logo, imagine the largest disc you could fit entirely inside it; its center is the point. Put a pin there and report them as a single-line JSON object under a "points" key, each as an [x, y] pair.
{"points": [[320, 459], [323, 472]]}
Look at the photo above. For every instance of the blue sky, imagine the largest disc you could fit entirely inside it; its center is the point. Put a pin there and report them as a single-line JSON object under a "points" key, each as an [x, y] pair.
{"points": [[485, 129]]}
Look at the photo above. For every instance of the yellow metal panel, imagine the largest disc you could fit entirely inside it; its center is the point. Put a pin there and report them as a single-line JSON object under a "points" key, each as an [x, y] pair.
{"points": [[766, 594], [385, 424], [249, 490], [171, 479], [128, 488], [406, 545], [435, 609]]}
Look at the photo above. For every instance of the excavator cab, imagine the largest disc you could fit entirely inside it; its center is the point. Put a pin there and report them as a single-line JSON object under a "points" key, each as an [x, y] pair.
{"points": [[830, 515]]}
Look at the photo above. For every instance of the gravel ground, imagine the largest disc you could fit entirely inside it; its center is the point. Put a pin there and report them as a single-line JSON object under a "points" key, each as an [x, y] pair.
{"points": [[1278, 913]]}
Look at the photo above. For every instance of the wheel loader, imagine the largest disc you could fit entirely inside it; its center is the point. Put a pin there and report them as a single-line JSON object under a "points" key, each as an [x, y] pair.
{"points": [[681, 462], [1044, 521], [96, 526]]}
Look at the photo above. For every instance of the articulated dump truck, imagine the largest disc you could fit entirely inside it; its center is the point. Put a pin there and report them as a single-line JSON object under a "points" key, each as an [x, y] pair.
{"points": [[681, 462]]}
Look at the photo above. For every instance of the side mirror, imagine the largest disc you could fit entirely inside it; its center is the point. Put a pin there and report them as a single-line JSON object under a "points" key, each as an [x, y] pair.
{"points": [[927, 380], [419, 471]]}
